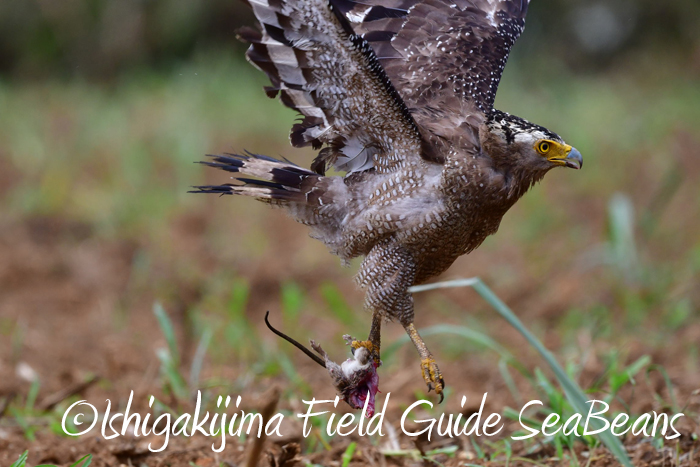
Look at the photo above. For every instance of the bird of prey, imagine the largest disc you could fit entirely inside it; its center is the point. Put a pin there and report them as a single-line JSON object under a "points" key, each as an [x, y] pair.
{"points": [[398, 94]]}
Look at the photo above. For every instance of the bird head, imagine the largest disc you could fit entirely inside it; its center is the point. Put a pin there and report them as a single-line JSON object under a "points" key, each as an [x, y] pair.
{"points": [[515, 143]]}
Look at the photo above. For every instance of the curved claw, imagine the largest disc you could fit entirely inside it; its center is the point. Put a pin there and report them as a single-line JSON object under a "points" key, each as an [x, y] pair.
{"points": [[433, 377], [442, 391]]}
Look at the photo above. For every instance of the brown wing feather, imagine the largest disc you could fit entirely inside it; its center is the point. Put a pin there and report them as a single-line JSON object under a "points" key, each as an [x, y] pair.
{"points": [[436, 50], [333, 78]]}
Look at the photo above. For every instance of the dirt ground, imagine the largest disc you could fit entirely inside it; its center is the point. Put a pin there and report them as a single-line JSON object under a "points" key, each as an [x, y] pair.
{"points": [[79, 276], [73, 298]]}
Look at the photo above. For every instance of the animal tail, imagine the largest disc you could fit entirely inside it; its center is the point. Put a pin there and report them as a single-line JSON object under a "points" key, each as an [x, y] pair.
{"points": [[275, 182]]}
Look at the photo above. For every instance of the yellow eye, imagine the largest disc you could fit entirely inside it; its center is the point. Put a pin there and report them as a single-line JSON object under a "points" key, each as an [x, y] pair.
{"points": [[543, 147]]}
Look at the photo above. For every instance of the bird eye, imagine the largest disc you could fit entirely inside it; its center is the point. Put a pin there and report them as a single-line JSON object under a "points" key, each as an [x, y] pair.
{"points": [[543, 147]]}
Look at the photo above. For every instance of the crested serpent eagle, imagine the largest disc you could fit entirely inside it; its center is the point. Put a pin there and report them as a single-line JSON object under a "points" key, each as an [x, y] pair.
{"points": [[399, 95]]}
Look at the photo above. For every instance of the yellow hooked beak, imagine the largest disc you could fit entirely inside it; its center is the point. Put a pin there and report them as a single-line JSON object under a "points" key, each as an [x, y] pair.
{"points": [[560, 154], [573, 159]]}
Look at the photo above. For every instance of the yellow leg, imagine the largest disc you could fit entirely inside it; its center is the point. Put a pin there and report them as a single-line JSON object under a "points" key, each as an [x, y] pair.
{"points": [[431, 373]]}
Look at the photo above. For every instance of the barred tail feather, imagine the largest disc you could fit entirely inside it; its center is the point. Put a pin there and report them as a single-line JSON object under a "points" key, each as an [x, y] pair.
{"points": [[278, 182], [311, 199]]}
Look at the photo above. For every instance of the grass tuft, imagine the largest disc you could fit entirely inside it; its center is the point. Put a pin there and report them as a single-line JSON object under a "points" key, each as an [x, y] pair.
{"points": [[22, 460], [574, 394], [170, 357], [84, 461]]}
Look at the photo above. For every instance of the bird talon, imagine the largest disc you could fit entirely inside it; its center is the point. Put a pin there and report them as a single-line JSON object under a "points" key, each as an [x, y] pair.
{"points": [[355, 344], [369, 345], [432, 376]]}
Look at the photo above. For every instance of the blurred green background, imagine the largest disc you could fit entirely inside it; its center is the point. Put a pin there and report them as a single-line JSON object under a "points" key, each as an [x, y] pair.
{"points": [[106, 104], [100, 39]]}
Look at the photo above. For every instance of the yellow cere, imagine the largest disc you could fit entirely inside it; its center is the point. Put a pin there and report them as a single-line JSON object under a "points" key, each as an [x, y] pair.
{"points": [[555, 152]]}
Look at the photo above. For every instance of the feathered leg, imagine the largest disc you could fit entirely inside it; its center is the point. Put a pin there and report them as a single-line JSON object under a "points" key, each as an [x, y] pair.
{"points": [[387, 272]]}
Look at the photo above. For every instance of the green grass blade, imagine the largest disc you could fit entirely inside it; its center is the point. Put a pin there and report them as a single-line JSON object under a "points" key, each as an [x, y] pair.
{"points": [[477, 449], [84, 461], [667, 381], [512, 414], [471, 282], [449, 450], [347, 455], [512, 387], [574, 394], [465, 332], [22, 460], [21, 420], [198, 359], [31, 396], [171, 373], [620, 379], [170, 357], [167, 327]]}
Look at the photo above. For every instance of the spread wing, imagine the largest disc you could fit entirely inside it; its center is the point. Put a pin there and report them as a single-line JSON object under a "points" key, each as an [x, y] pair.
{"points": [[441, 54], [321, 68]]}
